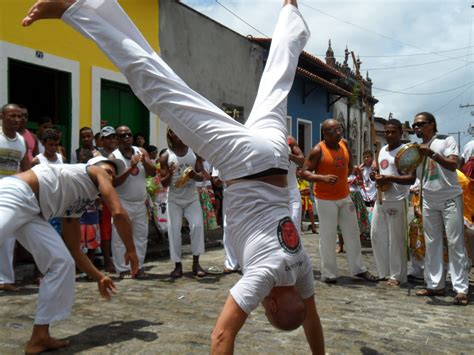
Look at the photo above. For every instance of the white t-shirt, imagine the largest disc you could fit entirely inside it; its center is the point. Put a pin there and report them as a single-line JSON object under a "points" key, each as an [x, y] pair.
{"points": [[65, 190], [188, 192], [468, 150], [43, 160], [12, 151], [438, 183], [387, 166], [257, 213], [206, 182], [369, 191], [134, 187]]}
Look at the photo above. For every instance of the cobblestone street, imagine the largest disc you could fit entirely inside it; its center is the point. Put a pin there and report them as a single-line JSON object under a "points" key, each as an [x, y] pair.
{"points": [[163, 316]]}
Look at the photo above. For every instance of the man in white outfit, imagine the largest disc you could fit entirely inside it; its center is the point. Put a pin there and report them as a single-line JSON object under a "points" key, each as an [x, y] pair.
{"points": [[27, 201], [251, 158], [180, 168], [389, 220], [329, 165], [442, 210], [131, 188], [13, 159]]}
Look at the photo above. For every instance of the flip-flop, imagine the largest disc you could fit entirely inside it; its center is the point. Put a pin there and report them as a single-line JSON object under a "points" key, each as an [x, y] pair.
{"points": [[367, 276], [430, 293], [214, 270], [461, 299]]}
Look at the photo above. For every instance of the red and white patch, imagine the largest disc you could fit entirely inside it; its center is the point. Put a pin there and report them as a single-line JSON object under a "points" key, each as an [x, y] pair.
{"points": [[384, 164], [288, 236]]}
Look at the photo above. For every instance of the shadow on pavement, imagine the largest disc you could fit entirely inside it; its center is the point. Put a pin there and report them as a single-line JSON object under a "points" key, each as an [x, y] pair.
{"points": [[368, 351], [111, 333]]}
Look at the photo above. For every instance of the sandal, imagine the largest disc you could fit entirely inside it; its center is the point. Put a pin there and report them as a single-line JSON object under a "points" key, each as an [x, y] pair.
{"points": [[198, 271], [393, 282], [367, 276], [176, 274], [430, 293], [461, 299], [141, 274], [125, 275]]}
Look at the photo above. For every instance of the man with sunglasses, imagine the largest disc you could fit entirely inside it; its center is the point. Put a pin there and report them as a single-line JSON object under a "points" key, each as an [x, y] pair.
{"points": [[131, 188], [251, 158], [108, 138], [329, 164], [442, 210]]}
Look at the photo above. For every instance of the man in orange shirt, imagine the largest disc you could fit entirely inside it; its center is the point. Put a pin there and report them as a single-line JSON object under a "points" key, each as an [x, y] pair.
{"points": [[329, 165]]}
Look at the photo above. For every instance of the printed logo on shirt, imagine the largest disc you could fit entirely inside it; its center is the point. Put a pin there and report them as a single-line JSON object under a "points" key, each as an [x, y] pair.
{"points": [[78, 207], [339, 162], [384, 164], [433, 171], [392, 211], [288, 236]]}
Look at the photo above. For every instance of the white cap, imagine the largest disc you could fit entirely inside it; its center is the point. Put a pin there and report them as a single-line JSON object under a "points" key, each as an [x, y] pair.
{"points": [[119, 165]]}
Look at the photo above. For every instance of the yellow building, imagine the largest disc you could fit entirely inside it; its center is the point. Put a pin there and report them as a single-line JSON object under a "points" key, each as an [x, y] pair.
{"points": [[56, 72]]}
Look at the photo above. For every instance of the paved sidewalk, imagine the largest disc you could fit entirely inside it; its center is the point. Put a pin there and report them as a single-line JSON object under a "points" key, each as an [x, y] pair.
{"points": [[164, 316]]}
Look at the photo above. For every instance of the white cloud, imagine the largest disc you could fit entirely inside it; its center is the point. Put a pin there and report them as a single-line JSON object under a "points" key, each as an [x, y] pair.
{"points": [[414, 26]]}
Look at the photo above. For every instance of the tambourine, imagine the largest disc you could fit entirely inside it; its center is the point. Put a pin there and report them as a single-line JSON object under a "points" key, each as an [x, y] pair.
{"points": [[184, 178], [408, 158]]}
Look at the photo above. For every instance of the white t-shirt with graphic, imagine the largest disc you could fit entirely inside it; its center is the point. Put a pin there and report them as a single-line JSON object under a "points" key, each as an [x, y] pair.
{"points": [[65, 190], [12, 151], [266, 243], [468, 150], [188, 192], [369, 191], [438, 183], [387, 166]]}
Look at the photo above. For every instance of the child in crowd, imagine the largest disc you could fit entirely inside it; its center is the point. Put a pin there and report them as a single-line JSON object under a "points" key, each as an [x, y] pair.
{"points": [[90, 236], [206, 198]]}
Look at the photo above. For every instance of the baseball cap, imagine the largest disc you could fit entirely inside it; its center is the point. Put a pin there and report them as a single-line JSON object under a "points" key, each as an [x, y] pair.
{"points": [[119, 165], [107, 131]]}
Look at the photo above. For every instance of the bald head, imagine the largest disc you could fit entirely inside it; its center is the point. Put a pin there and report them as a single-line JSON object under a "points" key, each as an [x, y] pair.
{"points": [[284, 308], [9, 106], [329, 123]]}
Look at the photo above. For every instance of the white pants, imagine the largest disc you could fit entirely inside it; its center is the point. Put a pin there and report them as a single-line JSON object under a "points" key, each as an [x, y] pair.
{"points": [[193, 213], [7, 273], [236, 150], [139, 220], [389, 235], [332, 213], [296, 208], [230, 258], [20, 217], [437, 217]]}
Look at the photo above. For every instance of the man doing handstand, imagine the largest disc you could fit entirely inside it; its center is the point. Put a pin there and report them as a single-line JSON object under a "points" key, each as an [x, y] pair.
{"points": [[251, 158]]}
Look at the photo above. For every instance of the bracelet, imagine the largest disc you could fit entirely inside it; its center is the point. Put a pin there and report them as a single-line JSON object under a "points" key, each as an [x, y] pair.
{"points": [[434, 155]]}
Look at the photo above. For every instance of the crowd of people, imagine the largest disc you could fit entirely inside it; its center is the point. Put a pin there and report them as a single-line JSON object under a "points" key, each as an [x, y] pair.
{"points": [[102, 199]]}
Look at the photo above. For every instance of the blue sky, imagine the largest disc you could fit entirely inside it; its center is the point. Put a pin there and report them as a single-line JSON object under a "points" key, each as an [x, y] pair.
{"points": [[416, 47]]}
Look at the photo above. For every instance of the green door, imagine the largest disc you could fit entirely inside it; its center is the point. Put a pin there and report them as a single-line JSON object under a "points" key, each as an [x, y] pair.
{"points": [[120, 106]]}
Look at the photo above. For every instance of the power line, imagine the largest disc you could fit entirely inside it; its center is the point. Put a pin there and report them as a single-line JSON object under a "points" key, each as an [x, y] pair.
{"points": [[426, 93], [428, 81], [406, 55], [421, 64], [240, 18], [454, 98], [374, 32]]}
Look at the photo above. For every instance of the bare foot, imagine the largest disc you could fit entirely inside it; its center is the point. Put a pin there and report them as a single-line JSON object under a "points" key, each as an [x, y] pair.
{"points": [[40, 345], [46, 9], [9, 288]]}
